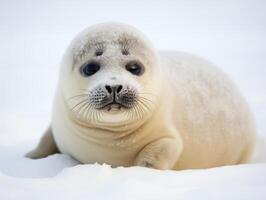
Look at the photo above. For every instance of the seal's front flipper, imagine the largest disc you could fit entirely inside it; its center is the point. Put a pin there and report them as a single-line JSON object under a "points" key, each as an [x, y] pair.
{"points": [[160, 154], [45, 147]]}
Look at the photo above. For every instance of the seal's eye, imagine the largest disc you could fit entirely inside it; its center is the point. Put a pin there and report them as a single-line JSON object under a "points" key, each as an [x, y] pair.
{"points": [[98, 53], [89, 69], [135, 68]]}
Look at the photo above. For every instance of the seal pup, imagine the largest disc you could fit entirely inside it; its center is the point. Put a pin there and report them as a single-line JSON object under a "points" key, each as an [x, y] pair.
{"points": [[121, 102]]}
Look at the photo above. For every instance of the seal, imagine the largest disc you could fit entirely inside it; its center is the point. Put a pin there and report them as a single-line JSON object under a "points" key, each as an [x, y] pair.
{"points": [[121, 102]]}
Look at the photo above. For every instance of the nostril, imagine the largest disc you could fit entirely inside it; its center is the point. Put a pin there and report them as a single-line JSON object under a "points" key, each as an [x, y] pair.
{"points": [[119, 88], [109, 89]]}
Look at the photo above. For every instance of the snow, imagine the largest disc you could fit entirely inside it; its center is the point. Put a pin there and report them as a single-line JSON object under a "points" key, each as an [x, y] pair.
{"points": [[103, 182], [33, 36]]}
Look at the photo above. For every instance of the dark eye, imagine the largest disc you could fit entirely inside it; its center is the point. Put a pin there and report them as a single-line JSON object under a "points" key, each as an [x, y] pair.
{"points": [[89, 69], [135, 68], [98, 53]]}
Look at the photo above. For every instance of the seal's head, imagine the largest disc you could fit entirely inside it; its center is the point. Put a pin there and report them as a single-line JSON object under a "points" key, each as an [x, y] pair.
{"points": [[110, 75]]}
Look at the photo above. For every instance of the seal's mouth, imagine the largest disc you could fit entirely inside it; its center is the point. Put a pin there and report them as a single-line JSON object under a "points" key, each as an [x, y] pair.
{"points": [[113, 106]]}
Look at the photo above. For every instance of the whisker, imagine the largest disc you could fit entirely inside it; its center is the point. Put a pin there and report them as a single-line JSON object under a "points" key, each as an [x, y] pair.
{"points": [[148, 93], [145, 99], [83, 110], [73, 108], [80, 109], [135, 112], [144, 104], [88, 111], [76, 98], [139, 111]]}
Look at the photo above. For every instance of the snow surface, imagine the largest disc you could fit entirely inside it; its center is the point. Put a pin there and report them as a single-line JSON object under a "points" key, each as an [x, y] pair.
{"points": [[33, 37]]}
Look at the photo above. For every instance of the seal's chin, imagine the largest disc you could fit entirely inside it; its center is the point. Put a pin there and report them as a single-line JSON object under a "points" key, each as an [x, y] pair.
{"points": [[114, 113]]}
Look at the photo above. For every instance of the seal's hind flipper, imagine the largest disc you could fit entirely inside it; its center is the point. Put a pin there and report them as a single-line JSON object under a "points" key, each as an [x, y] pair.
{"points": [[45, 147]]}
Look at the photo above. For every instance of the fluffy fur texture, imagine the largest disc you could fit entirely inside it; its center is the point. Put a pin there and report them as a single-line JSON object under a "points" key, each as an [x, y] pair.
{"points": [[187, 113]]}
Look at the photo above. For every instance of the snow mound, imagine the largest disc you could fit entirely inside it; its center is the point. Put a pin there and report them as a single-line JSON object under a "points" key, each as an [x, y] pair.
{"points": [[103, 182], [61, 177]]}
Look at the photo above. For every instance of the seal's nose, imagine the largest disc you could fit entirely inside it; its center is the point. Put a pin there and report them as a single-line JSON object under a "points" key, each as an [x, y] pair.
{"points": [[113, 89]]}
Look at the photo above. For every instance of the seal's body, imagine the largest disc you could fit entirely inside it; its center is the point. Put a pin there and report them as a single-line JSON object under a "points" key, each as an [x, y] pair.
{"points": [[122, 103]]}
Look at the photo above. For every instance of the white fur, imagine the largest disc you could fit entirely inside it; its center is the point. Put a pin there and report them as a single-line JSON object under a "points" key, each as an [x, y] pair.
{"points": [[197, 118]]}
